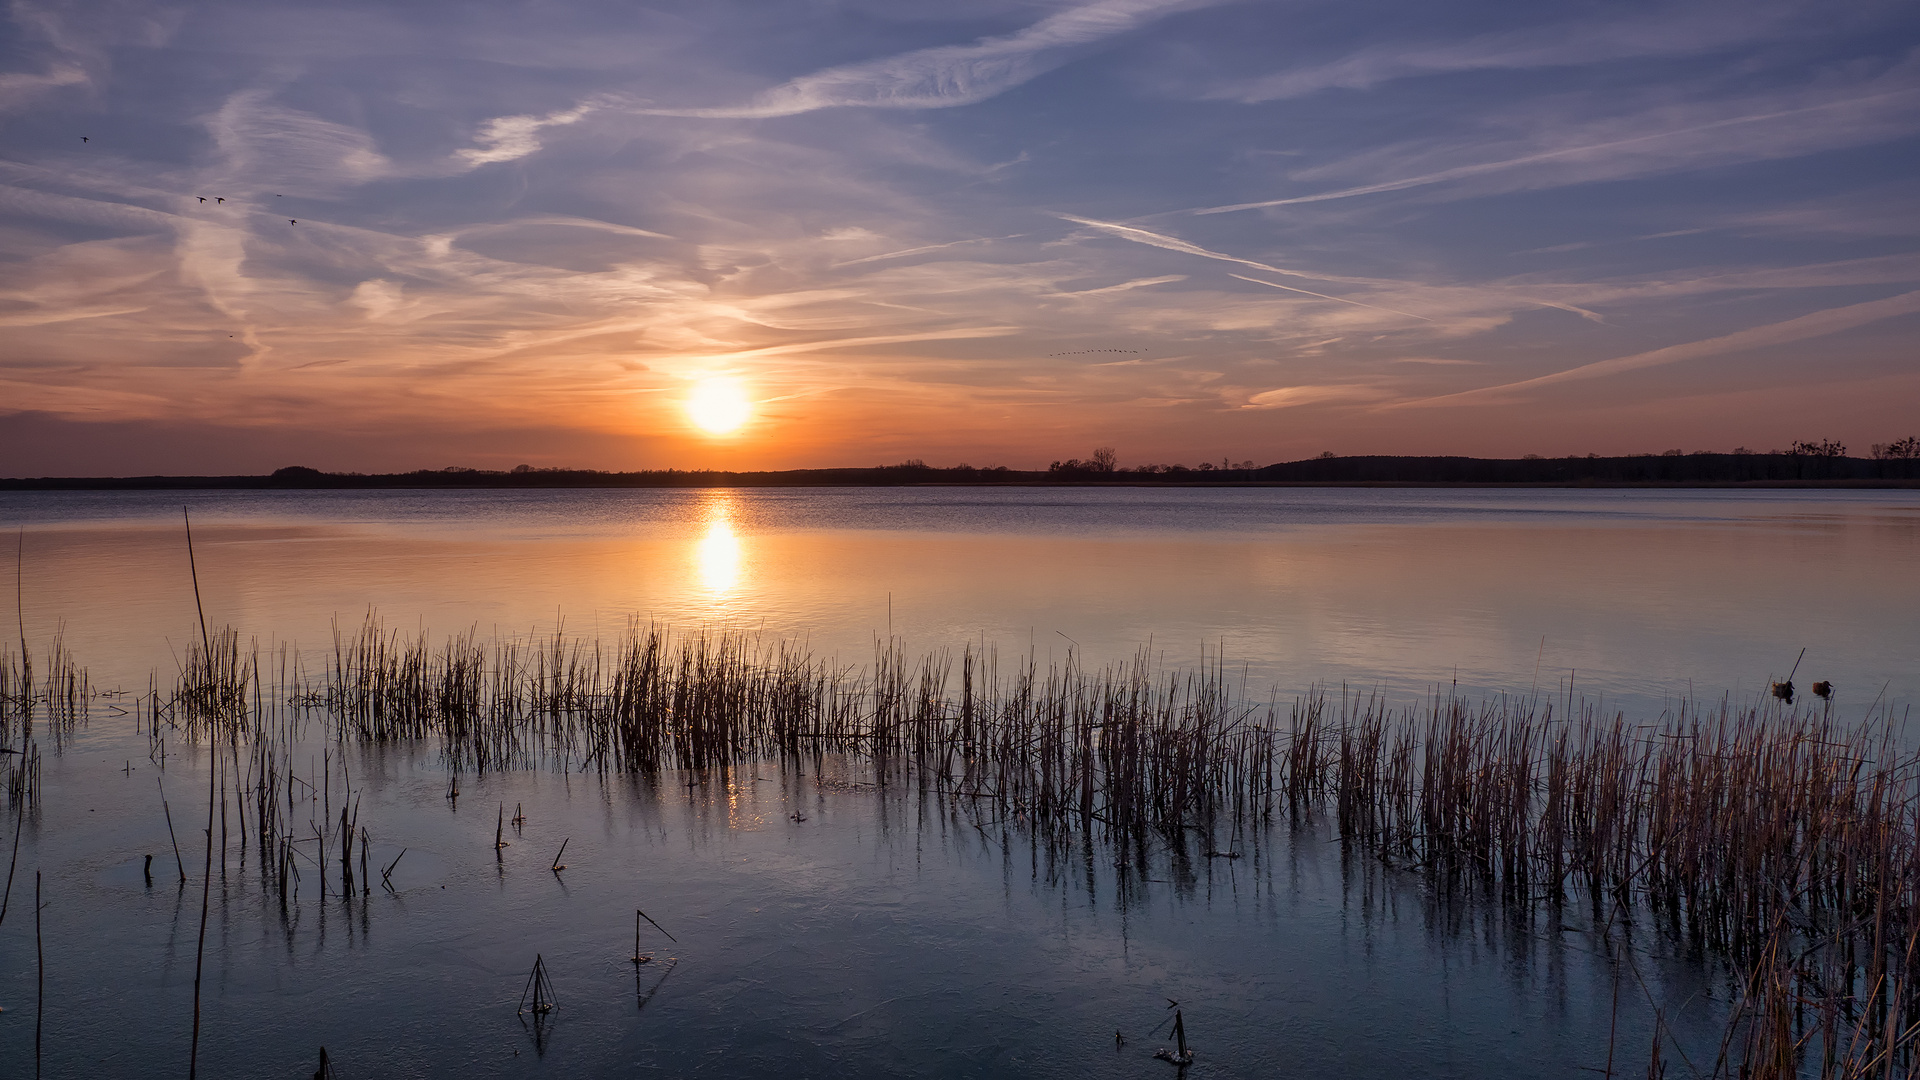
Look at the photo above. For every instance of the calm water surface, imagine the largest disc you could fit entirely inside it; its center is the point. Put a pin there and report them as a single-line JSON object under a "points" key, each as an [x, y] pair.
{"points": [[1639, 597], [826, 927], [883, 935]]}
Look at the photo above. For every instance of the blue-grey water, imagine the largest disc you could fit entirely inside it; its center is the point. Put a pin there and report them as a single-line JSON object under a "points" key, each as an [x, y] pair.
{"points": [[824, 926], [1638, 597]]}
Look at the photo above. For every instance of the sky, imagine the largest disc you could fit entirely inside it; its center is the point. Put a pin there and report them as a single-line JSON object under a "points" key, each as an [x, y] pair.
{"points": [[239, 236]]}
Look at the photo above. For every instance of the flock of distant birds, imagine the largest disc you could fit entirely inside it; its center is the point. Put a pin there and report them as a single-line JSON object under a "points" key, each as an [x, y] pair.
{"points": [[218, 200]]}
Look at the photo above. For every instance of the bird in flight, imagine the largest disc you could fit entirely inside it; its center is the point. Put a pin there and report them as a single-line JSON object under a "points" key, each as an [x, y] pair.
{"points": [[293, 221], [202, 198], [83, 138]]}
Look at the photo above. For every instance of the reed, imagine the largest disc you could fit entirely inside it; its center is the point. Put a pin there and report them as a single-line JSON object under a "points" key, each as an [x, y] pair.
{"points": [[167, 810], [1126, 743], [211, 697], [1179, 1054], [58, 700], [1768, 834]]}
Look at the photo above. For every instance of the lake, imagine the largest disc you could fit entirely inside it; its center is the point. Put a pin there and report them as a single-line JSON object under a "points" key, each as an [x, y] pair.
{"points": [[820, 923], [1645, 597]]}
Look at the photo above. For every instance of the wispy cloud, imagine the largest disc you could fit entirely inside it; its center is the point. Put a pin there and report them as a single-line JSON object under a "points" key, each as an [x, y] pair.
{"points": [[1672, 31], [949, 75], [1172, 243], [874, 273], [562, 220], [1776, 133], [924, 249], [1324, 296], [1287, 397], [74, 42], [17, 88], [510, 138], [1185, 247], [825, 344], [269, 147], [1817, 324], [1137, 283], [69, 314]]}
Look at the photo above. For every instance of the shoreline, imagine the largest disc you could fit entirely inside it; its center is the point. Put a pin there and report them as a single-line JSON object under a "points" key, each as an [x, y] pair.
{"points": [[1735, 471], [221, 483]]}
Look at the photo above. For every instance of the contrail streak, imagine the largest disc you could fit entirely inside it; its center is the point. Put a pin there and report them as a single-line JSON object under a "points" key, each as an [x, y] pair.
{"points": [[1324, 296], [1170, 243], [1546, 155], [1817, 324]]}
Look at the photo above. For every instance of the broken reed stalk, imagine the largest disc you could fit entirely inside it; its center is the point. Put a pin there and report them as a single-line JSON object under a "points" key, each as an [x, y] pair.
{"points": [[557, 864], [656, 926], [539, 988], [1179, 1055], [168, 811]]}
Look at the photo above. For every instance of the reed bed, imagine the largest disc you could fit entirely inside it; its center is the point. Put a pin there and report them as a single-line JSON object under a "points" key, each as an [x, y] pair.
{"points": [[58, 691], [1125, 745], [58, 695], [215, 683], [1776, 837]]}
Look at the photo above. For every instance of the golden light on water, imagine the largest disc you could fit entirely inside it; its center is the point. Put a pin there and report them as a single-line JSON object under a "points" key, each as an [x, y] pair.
{"points": [[719, 405], [718, 552]]}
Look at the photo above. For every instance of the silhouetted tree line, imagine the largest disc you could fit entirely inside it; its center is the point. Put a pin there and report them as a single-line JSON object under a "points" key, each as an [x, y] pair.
{"points": [[1824, 461], [1805, 463], [1904, 450]]}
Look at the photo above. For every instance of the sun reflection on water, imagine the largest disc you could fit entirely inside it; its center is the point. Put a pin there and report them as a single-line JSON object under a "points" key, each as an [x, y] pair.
{"points": [[717, 554]]}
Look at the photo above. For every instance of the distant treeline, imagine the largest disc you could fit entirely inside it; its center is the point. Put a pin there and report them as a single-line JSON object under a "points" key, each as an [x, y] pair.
{"points": [[1783, 469], [1679, 469]]}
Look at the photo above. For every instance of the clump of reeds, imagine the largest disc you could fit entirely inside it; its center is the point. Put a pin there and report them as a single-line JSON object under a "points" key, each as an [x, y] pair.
{"points": [[1776, 837], [66, 691], [57, 692], [212, 694], [1128, 745], [58, 699], [22, 777]]}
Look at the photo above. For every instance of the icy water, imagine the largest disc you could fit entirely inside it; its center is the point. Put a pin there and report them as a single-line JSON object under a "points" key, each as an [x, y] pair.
{"points": [[824, 926]]}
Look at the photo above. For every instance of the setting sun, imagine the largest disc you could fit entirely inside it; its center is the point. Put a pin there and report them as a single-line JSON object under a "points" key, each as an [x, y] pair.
{"points": [[719, 405]]}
